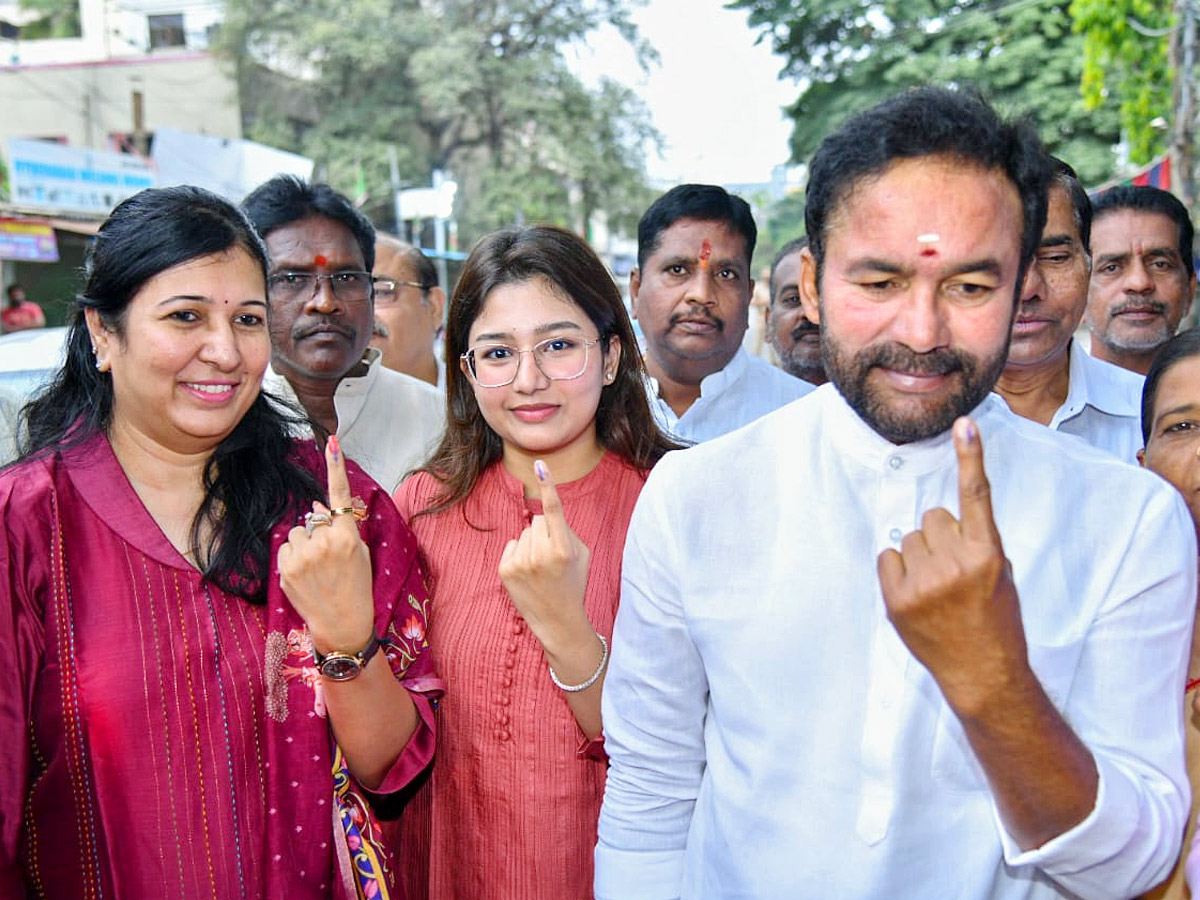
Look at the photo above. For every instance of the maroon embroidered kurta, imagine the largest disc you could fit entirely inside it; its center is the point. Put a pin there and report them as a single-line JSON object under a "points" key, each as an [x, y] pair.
{"points": [[162, 738]]}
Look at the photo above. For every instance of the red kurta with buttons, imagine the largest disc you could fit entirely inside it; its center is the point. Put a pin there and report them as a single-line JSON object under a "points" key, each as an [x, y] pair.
{"points": [[510, 808]]}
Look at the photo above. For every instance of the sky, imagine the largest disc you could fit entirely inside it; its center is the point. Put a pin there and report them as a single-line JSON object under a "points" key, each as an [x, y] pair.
{"points": [[715, 95]]}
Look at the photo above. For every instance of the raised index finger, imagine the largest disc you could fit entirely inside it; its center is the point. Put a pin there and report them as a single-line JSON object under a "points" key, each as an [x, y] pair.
{"points": [[339, 483], [974, 491], [552, 509]]}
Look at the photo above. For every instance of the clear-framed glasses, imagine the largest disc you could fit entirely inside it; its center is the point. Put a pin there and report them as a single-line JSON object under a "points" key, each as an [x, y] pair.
{"points": [[348, 287], [387, 290], [558, 358]]}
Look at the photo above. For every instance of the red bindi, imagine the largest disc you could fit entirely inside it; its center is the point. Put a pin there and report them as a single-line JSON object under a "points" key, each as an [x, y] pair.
{"points": [[929, 251], [705, 253], [320, 260]]}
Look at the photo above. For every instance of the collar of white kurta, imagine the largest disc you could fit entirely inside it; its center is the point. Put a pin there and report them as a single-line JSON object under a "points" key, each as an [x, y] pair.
{"points": [[854, 439], [1101, 385], [713, 384], [348, 398]]}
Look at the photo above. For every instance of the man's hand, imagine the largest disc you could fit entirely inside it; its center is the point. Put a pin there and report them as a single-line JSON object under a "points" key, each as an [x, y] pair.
{"points": [[949, 591]]}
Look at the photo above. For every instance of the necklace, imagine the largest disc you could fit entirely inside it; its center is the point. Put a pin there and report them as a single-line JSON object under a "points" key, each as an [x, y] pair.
{"points": [[1192, 684]]}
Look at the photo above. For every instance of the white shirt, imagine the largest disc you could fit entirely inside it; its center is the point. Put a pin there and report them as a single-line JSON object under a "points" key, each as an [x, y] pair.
{"points": [[1103, 405], [388, 422], [770, 736], [736, 395]]}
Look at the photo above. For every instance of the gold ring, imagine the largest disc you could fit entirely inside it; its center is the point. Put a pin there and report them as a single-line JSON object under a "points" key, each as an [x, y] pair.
{"points": [[357, 508]]}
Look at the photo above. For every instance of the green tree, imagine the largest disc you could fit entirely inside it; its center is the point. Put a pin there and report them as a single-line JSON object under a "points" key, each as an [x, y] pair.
{"points": [[846, 55], [480, 89], [1124, 61], [56, 19]]}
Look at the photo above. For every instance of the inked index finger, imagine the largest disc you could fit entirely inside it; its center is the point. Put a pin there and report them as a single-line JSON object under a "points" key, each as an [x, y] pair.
{"points": [[339, 483], [552, 509], [974, 491]]}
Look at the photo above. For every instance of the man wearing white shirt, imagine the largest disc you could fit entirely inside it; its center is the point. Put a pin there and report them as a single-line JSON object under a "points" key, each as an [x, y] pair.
{"points": [[319, 290], [920, 680], [691, 294], [1049, 378]]}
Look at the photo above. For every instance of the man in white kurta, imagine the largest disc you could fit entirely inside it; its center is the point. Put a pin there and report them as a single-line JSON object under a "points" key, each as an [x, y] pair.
{"points": [[912, 684], [388, 422], [746, 388]]}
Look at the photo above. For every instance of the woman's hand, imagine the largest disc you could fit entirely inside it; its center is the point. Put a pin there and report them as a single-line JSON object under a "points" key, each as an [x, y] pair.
{"points": [[325, 568], [545, 574]]}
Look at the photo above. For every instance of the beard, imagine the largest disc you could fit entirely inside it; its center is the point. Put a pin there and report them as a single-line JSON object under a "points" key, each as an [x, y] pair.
{"points": [[917, 418]]}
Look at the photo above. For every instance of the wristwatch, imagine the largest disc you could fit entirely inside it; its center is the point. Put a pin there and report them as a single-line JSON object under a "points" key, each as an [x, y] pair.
{"points": [[340, 666]]}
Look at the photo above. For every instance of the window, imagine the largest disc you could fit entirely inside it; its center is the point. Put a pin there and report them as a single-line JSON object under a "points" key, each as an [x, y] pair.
{"points": [[166, 31]]}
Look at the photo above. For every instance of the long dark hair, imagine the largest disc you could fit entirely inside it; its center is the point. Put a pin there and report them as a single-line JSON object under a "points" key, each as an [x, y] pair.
{"points": [[250, 482], [624, 423]]}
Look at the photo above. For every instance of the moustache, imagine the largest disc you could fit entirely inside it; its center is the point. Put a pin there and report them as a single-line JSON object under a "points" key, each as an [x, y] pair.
{"points": [[321, 326], [903, 359], [805, 327], [1155, 306], [696, 317]]}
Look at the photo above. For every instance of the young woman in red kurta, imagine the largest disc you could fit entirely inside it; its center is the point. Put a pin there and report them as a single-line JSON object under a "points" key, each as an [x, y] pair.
{"points": [[521, 517]]}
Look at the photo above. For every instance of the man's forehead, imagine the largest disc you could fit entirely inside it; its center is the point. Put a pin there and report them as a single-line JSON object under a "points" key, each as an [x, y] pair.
{"points": [[393, 262], [1124, 224], [313, 241], [927, 204], [687, 237]]}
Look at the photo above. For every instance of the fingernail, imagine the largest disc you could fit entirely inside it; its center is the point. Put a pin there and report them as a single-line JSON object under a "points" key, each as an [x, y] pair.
{"points": [[540, 468], [335, 449], [968, 432]]}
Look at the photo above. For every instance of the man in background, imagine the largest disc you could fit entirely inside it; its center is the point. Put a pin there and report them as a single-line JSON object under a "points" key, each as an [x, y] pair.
{"points": [[796, 340], [1143, 274], [20, 313], [1049, 378], [691, 294], [409, 306], [319, 290]]}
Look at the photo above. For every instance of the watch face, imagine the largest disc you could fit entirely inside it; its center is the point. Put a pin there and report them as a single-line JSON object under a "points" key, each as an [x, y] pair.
{"points": [[341, 667]]}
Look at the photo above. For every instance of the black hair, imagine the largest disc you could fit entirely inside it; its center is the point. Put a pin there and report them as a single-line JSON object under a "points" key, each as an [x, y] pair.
{"points": [[1184, 345], [563, 260], [285, 199], [250, 481], [928, 121], [702, 202], [793, 246], [1144, 198], [1081, 204]]}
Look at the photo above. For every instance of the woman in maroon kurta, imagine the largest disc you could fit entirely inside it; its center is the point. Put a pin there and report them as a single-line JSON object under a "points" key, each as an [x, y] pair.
{"points": [[168, 731], [545, 385]]}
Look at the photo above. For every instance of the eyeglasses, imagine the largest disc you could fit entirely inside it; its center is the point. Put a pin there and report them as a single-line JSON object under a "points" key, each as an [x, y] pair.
{"points": [[348, 287], [558, 358], [387, 290]]}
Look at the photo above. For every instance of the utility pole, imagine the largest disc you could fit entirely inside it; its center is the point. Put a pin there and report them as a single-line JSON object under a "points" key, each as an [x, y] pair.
{"points": [[140, 142], [1183, 139]]}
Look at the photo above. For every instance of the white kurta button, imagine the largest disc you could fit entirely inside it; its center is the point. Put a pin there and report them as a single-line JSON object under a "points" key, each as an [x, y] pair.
{"points": [[895, 462]]}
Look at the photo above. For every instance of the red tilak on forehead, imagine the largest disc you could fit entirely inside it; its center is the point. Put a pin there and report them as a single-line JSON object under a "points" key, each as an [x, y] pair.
{"points": [[320, 260], [705, 253], [929, 251]]}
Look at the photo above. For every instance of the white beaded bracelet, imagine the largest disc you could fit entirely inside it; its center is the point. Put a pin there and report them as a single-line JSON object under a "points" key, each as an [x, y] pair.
{"points": [[576, 688]]}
